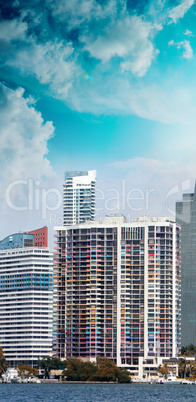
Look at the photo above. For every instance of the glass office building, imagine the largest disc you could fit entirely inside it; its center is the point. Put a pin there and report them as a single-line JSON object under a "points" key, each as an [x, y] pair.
{"points": [[186, 217]]}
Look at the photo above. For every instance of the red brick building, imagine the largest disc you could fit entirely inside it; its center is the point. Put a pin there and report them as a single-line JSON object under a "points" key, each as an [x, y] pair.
{"points": [[40, 237]]}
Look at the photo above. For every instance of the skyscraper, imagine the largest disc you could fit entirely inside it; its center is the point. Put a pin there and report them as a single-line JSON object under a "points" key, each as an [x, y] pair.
{"points": [[26, 299], [186, 217], [79, 197], [118, 287]]}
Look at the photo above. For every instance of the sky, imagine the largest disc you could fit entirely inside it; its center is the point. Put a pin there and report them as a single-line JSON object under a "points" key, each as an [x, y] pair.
{"points": [[106, 85]]}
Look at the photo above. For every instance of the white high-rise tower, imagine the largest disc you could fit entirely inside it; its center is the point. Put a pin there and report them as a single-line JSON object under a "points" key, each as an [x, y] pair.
{"points": [[79, 197]]}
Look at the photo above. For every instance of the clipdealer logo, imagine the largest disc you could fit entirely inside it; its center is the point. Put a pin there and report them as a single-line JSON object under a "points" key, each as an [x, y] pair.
{"points": [[111, 200], [178, 189], [37, 198]]}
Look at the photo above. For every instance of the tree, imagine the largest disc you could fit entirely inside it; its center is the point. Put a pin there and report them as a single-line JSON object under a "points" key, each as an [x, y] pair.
{"points": [[163, 369], [3, 362], [187, 368], [108, 371], [26, 370], [87, 370], [183, 350], [103, 370], [77, 370], [189, 350], [192, 366], [123, 375], [50, 363], [73, 369]]}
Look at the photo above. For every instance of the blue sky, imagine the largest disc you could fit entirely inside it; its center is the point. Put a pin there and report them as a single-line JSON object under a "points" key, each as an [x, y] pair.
{"points": [[91, 84]]}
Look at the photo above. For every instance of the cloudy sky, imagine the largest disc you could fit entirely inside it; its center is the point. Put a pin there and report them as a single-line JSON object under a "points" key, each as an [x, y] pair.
{"points": [[96, 84]]}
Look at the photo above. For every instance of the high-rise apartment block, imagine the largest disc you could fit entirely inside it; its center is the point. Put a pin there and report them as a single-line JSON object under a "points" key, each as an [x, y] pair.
{"points": [[79, 197], [26, 299], [186, 217], [118, 291]]}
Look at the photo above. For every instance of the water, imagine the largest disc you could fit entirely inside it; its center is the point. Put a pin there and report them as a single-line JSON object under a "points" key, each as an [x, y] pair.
{"points": [[96, 392]]}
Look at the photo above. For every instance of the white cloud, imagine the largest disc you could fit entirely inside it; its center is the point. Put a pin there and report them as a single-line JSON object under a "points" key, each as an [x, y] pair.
{"points": [[142, 61], [12, 30], [56, 65], [23, 156], [108, 31], [185, 45], [24, 137], [120, 44], [77, 12], [179, 11], [128, 38], [188, 51], [52, 63], [168, 102], [188, 33], [171, 43]]}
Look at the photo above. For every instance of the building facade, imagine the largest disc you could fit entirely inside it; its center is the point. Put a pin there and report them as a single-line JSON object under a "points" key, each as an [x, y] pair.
{"points": [[17, 240], [26, 303], [37, 238], [186, 217], [40, 237], [118, 291], [79, 197]]}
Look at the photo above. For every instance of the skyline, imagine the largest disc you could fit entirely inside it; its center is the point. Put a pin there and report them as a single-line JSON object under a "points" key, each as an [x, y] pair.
{"points": [[96, 85]]}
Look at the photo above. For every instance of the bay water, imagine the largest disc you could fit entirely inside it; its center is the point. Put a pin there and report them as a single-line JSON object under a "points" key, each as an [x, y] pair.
{"points": [[96, 392]]}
